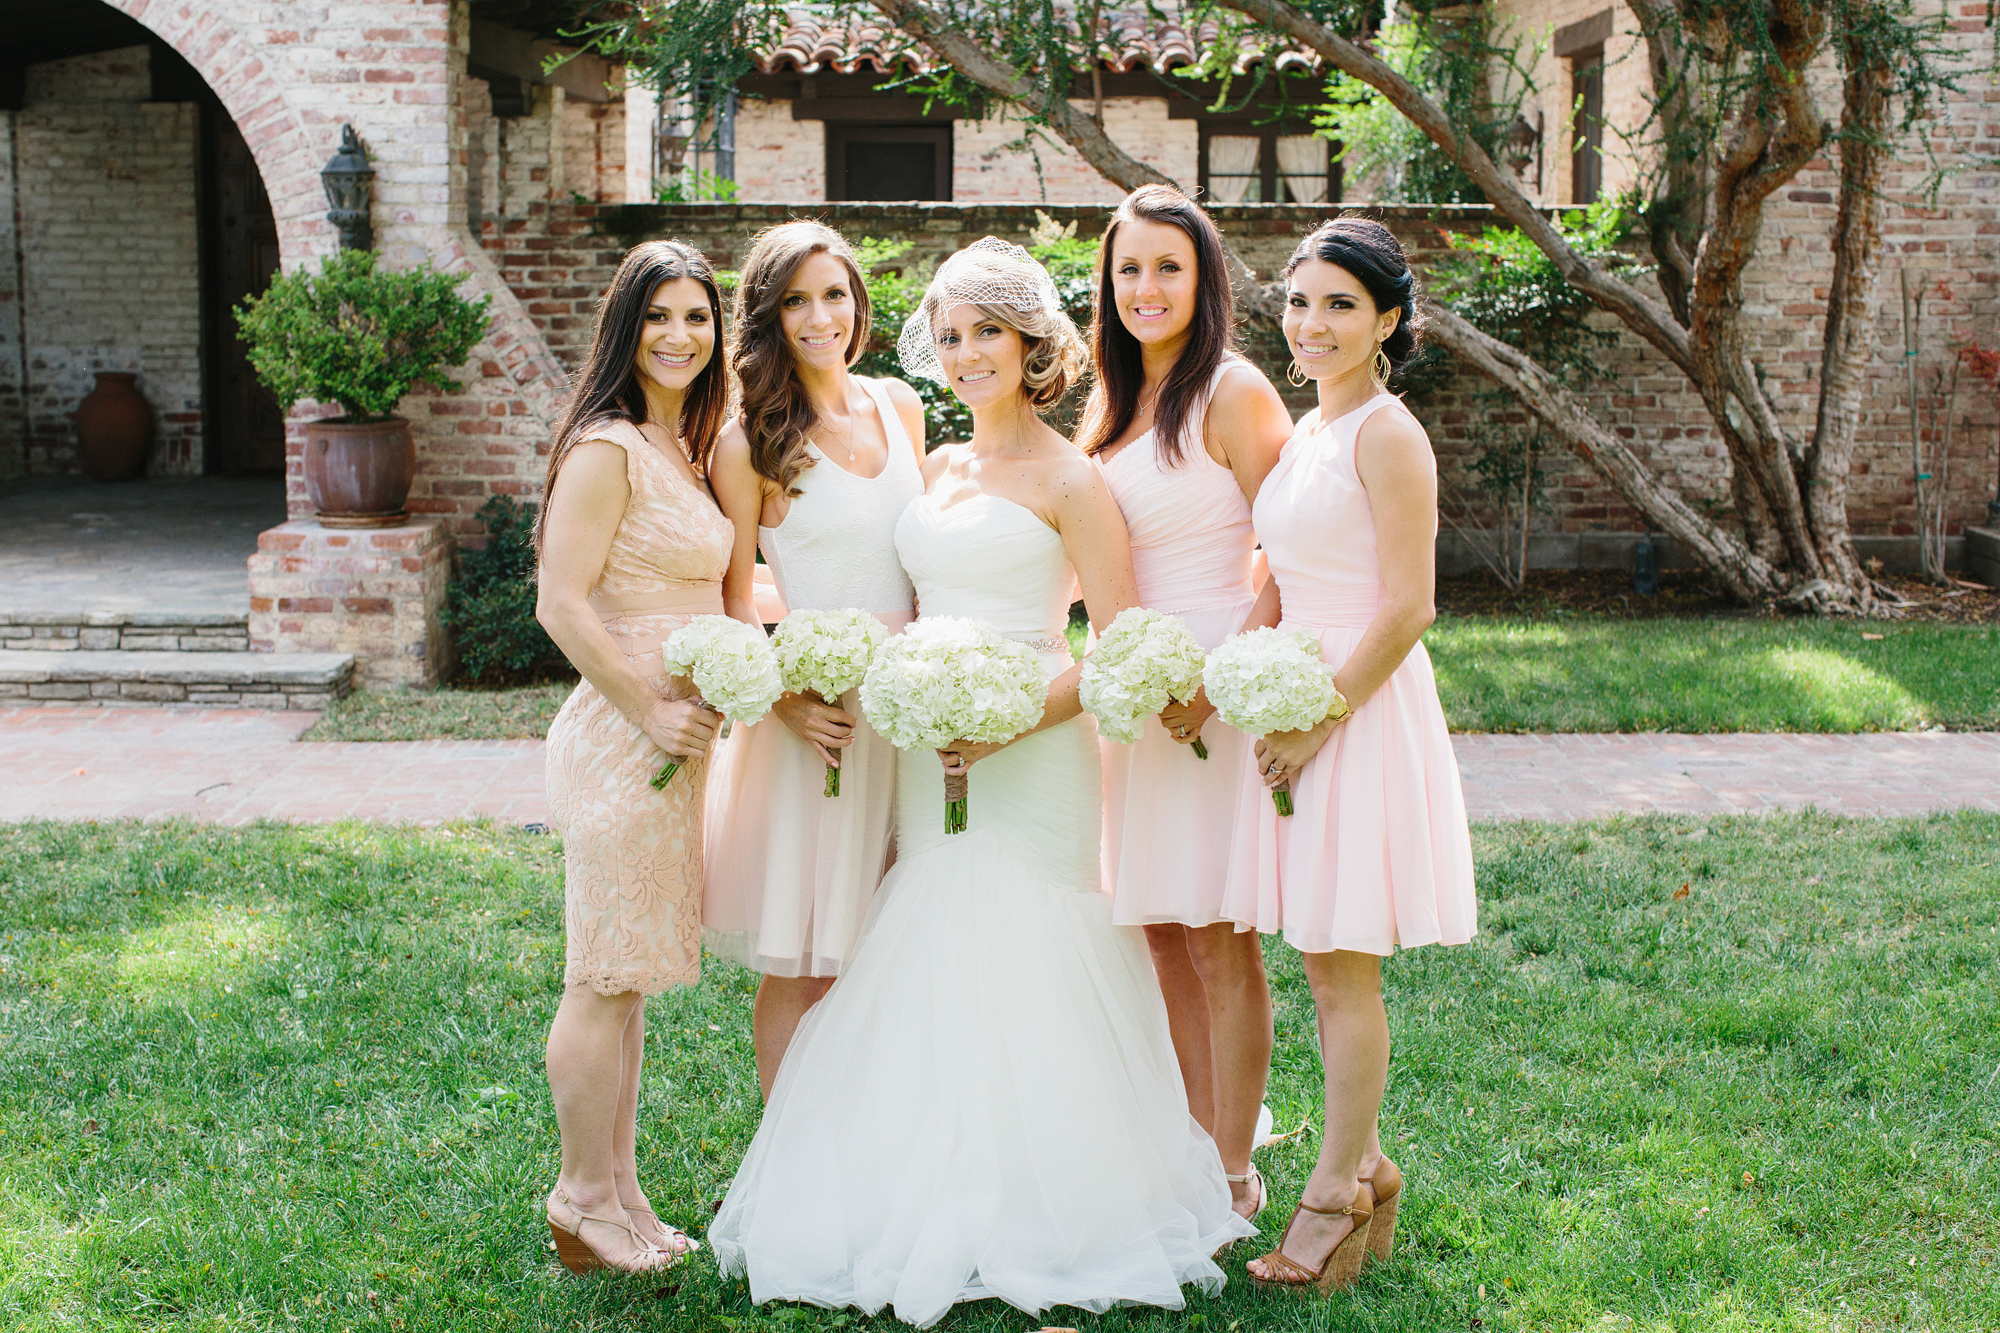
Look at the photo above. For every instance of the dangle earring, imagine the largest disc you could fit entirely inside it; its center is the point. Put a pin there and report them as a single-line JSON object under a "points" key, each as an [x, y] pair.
{"points": [[1295, 375], [1382, 368]]}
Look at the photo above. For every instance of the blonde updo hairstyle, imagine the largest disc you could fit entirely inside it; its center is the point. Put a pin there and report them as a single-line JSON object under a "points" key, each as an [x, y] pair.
{"points": [[1004, 284]]}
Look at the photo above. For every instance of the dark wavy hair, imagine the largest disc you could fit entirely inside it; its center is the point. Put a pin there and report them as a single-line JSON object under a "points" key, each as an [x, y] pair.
{"points": [[1115, 353], [777, 414], [608, 385], [1369, 251]]}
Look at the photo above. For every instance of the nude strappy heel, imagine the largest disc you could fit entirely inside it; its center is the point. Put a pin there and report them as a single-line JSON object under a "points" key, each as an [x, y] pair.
{"points": [[1340, 1268], [1263, 1192], [1387, 1183], [579, 1256], [688, 1243]]}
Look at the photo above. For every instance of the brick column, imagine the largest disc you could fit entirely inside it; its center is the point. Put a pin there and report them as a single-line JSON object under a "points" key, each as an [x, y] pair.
{"points": [[372, 592]]}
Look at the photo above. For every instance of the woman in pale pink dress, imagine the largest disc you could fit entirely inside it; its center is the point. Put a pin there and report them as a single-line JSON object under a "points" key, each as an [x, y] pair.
{"points": [[1377, 854], [1185, 431], [814, 472], [632, 547]]}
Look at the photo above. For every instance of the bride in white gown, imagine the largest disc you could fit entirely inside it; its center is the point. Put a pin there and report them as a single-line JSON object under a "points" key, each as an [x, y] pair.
{"points": [[987, 1103]]}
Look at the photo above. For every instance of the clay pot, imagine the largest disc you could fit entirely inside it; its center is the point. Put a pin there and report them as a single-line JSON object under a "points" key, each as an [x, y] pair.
{"points": [[358, 473], [114, 428]]}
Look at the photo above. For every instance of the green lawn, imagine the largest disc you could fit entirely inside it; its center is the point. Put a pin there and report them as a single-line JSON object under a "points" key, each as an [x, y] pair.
{"points": [[281, 1078], [1580, 674], [1714, 675]]}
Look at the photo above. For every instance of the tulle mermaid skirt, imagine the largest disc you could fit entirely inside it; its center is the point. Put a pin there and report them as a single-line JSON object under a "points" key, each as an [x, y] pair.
{"points": [[790, 870], [986, 1104], [1376, 853], [1170, 816]]}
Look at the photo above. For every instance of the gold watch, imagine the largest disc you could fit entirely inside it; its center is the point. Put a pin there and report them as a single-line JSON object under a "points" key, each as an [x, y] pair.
{"points": [[1340, 707]]}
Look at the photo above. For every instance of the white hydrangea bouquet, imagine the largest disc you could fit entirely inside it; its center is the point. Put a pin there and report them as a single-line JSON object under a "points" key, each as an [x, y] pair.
{"points": [[1270, 680], [731, 664], [827, 653], [1142, 659], [948, 679]]}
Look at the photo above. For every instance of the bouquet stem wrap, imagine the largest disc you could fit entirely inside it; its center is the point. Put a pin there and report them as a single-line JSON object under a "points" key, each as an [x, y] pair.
{"points": [[955, 788]]}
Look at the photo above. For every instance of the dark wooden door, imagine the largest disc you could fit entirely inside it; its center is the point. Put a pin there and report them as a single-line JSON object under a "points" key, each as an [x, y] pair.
{"points": [[248, 432]]}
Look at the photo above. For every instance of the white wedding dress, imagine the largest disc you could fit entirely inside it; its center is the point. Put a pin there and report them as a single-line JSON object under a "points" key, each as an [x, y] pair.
{"points": [[986, 1104]]}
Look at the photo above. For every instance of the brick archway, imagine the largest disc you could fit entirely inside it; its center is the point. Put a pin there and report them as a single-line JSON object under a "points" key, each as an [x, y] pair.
{"points": [[287, 156]]}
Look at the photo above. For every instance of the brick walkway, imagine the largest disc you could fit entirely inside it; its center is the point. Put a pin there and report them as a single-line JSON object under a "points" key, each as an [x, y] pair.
{"points": [[231, 766]]}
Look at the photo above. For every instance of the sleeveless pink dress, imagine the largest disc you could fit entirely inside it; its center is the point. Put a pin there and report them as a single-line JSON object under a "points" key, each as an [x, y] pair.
{"points": [[632, 855], [1169, 816], [790, 870], [1376, 854]]}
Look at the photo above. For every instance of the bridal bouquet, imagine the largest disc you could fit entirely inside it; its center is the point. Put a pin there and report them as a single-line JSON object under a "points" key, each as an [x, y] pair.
{"points": [[827, 653], [948, 679], [731, 664], [1270, 680], [1142, 660]]}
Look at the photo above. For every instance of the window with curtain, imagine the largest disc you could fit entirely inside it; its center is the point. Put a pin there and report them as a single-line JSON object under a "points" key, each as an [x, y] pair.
{"points": [[1255, 165]]}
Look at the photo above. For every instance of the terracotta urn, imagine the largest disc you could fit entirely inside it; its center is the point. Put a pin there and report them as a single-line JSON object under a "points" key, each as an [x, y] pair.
{"points": [[114, 428], [358, 473]]}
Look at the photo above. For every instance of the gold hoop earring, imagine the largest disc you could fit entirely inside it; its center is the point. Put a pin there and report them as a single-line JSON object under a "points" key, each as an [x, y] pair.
{"points": [[1382, 368], [1295, 375]]}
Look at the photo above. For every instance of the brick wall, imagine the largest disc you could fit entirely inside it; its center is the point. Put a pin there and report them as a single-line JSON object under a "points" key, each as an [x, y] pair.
{"points": [[778, 157], [989, 163], [107, 255]]}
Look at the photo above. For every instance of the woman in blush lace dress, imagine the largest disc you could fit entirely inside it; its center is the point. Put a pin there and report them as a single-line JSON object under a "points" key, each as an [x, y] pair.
{"points": [[814, 473], [1376, 855], [986, 1103], [632, 546], [1185, 431]]}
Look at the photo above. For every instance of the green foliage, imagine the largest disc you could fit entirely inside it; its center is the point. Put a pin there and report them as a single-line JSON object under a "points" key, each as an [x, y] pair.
{"points": [[694, 186], [491, 605], [352, 335]]}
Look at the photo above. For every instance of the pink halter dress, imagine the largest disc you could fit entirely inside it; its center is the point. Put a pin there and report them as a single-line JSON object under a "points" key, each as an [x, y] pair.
{"points": [[1376, 854], [1169, 816]]}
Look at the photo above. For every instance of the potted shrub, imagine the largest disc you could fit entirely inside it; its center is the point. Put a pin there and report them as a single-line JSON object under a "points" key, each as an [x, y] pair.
{"points": [[351, 335]]}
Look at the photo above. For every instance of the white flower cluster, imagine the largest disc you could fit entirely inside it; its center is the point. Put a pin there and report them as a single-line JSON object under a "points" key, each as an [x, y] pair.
{"points": [[1269, 680], [730, 662], [827, 652], [948, 679], [1143, 659]]}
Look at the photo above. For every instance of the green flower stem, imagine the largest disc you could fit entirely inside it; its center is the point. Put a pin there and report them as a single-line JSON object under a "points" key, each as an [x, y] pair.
{"points": [[666, 775], [1281, 796], [954, 816], [832, 780], [1200, 750]]}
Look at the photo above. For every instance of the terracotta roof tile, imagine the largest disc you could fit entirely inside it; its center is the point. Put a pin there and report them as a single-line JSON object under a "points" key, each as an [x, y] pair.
{"points": [[1133, 40]]}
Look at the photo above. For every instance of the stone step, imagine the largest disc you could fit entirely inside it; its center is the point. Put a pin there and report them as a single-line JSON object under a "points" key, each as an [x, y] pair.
{"points": [[1982, 555], [227, 680], [124, 631]]}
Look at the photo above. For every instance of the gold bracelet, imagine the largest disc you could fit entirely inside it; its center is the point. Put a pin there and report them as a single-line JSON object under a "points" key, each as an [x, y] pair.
{"points": [[1340, 707]]}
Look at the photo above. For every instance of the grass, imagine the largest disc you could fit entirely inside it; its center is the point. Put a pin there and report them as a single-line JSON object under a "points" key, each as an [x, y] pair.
{"points": [[1560, 675], [1714, 675], [446, 713], [282, 1077]]}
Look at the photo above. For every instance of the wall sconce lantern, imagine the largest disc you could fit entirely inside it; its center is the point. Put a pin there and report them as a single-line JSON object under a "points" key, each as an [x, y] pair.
{"points": [[1522, 148], [350, 183]]}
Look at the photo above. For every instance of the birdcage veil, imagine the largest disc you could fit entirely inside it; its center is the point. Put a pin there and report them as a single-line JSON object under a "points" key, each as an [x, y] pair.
{"points": [[1002, 278]]}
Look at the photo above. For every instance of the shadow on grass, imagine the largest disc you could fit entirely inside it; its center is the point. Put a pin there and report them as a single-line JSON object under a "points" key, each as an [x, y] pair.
{"points": [[284, 1076]]}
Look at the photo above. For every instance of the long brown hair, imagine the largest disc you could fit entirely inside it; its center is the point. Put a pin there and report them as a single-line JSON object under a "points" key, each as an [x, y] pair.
{"points": [[1115, 353], [608, 385], [777, 413]]}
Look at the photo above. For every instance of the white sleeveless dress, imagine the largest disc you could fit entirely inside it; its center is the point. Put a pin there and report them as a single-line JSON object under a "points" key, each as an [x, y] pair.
{"points": [[986, 1104], [1169, 815], [788, 870]]}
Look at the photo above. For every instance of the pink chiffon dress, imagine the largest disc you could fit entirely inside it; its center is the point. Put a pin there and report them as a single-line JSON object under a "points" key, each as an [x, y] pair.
{"points": [[790, 870], [632, 855], [1169, 815], [1376, 854]]}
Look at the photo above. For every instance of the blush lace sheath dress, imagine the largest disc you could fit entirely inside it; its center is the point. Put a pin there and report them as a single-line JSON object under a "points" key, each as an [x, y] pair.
{"points": [[632, 855]]}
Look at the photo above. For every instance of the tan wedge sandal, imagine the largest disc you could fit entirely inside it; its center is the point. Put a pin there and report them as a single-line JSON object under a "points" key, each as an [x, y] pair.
{"points": [[1339, 1269], [1387, 1182], [685, 1243], [579, 1256]]}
